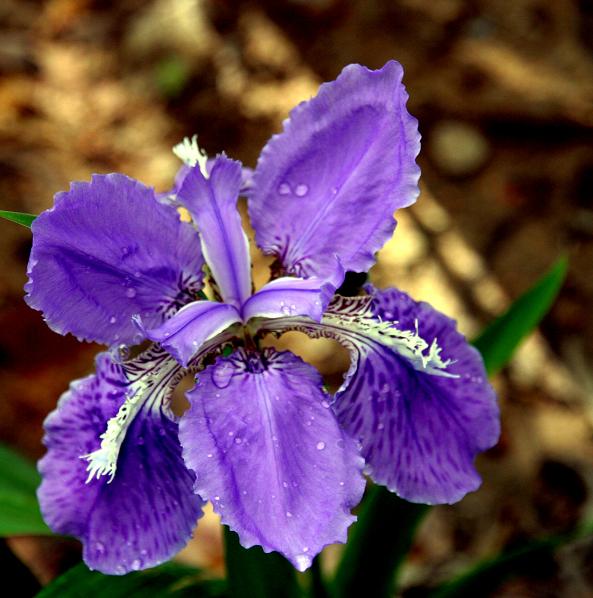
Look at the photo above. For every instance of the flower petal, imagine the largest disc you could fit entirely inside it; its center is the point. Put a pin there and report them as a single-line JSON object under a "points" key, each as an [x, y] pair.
{"points": [[268, 452], [244, 191], [108, 250], [330, 182], [213, 204], [289, 296], [147, 513], [185, 333], [421, 419]]}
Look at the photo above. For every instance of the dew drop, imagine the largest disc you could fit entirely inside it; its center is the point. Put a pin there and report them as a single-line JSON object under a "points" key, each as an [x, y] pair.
{"points": [[341, 483], [136, 564], [222, 375], [288, 514], [100, 547], [238, 440], [325, 404], [131, 293], [301, 190], [112, 320], [320, 446], [284, 189], [285, 484]]}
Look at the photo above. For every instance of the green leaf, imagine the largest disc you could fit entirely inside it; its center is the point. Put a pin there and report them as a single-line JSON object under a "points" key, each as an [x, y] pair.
{"points": [[485, 577], [251, 572], [19, 510], [500, 339], [171, 579], [378, 545], [18, 217]]}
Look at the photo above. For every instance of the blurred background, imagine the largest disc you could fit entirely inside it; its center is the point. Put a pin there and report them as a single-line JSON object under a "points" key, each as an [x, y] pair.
{"points": [[504, 95]]}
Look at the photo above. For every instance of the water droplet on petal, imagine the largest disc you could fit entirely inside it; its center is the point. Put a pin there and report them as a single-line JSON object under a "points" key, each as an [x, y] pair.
{"points": [[284, 189], [325, 404], [301, 190], [238, 440], [136, 564], [112, 320], [100, 547], [222, 374], [131, 293], [320, 446], [288, 514]]}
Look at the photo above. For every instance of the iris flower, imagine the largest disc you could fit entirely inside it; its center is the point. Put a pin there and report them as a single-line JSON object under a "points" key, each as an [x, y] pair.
{"points": [[282, 460]]}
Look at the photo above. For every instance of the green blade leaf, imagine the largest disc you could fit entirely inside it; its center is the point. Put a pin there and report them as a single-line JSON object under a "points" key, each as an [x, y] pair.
{"points": [[378, 545], [18, 217], [251, 572], [485, 577], [171, 579], [19, 510], [500, 339]]}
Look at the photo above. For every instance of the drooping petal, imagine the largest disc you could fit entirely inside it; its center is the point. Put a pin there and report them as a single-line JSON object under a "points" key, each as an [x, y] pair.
{"points": [[330, 182], [289, 296], [416, 396], [213, 204], [108, 250], [147, 512], [185, 333], [268, 452]]}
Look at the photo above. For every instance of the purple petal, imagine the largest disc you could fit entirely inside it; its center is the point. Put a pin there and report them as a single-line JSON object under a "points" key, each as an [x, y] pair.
{"points": [[186, 332], [147, 513], [108, 250], [330, 182], [246, 180], [420, 431], [213, 204], [290, 297], [268, 452], [420, 419]]}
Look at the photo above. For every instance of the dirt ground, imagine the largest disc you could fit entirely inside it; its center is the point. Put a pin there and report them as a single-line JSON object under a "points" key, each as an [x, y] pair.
{"points": [[504, 95]]}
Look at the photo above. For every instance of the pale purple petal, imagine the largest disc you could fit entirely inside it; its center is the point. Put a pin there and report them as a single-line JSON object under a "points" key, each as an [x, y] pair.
{"points": [[290, 297], [108, 250], [246, 180], [213, 204], [420, 420], [330, 182], [185, 333], [268, 452], [147, 513]]}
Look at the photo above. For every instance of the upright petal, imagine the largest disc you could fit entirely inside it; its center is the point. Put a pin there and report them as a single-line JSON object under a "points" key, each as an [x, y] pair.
{"points": [[330, 182], [268, 452], [108, 250], [213, 204], [416, 396], [147, 512], [186, 332]]}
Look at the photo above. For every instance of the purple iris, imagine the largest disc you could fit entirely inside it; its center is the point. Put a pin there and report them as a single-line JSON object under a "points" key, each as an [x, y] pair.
{"points": [[281, 460]]}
